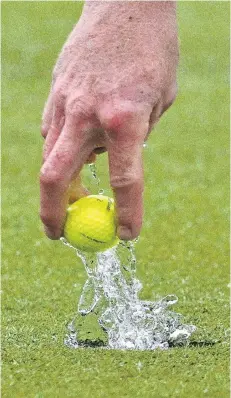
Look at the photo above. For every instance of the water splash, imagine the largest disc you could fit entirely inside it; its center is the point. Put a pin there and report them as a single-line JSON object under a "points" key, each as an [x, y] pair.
{"points": [[110, 297], [111, 294]]}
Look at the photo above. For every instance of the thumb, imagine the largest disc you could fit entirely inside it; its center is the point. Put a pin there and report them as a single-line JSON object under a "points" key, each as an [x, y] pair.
{"points": [[76, 190]]}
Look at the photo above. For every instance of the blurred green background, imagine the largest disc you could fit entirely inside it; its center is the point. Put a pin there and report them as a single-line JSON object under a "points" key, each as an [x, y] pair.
{"points": [[183, 247]]}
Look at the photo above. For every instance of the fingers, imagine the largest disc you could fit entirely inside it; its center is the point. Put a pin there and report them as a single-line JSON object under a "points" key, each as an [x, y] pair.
{"points": [[126, 177], [63, 162], [54, 131], [47, 116], [49, 142], [126, 125]]}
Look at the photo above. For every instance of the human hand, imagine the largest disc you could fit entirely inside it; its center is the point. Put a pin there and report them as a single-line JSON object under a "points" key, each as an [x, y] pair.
{"points": [[114, 78]]}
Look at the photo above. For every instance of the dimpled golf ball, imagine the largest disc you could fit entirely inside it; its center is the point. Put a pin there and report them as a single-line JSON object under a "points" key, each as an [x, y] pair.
{"points": [[90, 224]]}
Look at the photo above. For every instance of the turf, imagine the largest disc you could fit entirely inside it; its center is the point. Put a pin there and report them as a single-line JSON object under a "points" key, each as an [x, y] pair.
{"points": [[183, 248]]}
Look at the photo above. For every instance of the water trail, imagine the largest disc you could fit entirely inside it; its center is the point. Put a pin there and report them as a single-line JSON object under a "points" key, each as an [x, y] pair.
{"points": [[92, 167], [111, 294]]}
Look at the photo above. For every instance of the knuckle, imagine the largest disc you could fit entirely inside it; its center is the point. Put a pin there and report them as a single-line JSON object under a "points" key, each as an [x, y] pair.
{"points": [[128, 117], [80, 105], [50, 179], [125, 180], [113, 119]]}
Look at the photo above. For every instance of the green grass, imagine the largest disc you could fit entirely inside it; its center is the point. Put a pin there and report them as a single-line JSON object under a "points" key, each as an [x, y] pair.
{"points": [[183, 248]]}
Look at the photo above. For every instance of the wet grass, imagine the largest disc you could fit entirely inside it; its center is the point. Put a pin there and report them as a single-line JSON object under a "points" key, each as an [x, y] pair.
{"points": [[183, 248]]}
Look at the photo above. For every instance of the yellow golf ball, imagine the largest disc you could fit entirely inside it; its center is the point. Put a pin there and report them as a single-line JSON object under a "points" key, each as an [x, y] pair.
{"points": [[90, 224]]}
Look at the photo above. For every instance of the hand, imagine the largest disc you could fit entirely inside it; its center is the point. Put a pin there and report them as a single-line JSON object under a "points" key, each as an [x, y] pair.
{"points": [[114, 78]]}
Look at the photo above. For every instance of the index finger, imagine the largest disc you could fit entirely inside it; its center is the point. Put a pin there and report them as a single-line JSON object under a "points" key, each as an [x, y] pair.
{"points": [[66, 159]]}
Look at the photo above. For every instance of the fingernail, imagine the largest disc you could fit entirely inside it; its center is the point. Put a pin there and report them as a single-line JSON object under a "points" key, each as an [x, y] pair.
{"points": [[124, 233]]}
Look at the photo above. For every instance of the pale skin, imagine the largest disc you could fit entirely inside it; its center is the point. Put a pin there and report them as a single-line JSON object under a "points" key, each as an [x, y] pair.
{"points": [[114, 78]]}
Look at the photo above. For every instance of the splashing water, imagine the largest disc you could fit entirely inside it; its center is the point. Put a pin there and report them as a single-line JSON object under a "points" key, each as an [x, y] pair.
{"points": [[111, 293]]}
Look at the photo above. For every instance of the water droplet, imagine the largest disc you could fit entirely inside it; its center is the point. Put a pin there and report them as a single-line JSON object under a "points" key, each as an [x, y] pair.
{"points": [[71, 338], [93, 170], [139, 366]]}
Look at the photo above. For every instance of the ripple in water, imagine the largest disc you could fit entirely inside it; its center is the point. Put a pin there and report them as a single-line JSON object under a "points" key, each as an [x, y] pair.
{"points": [[111, 293]]}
